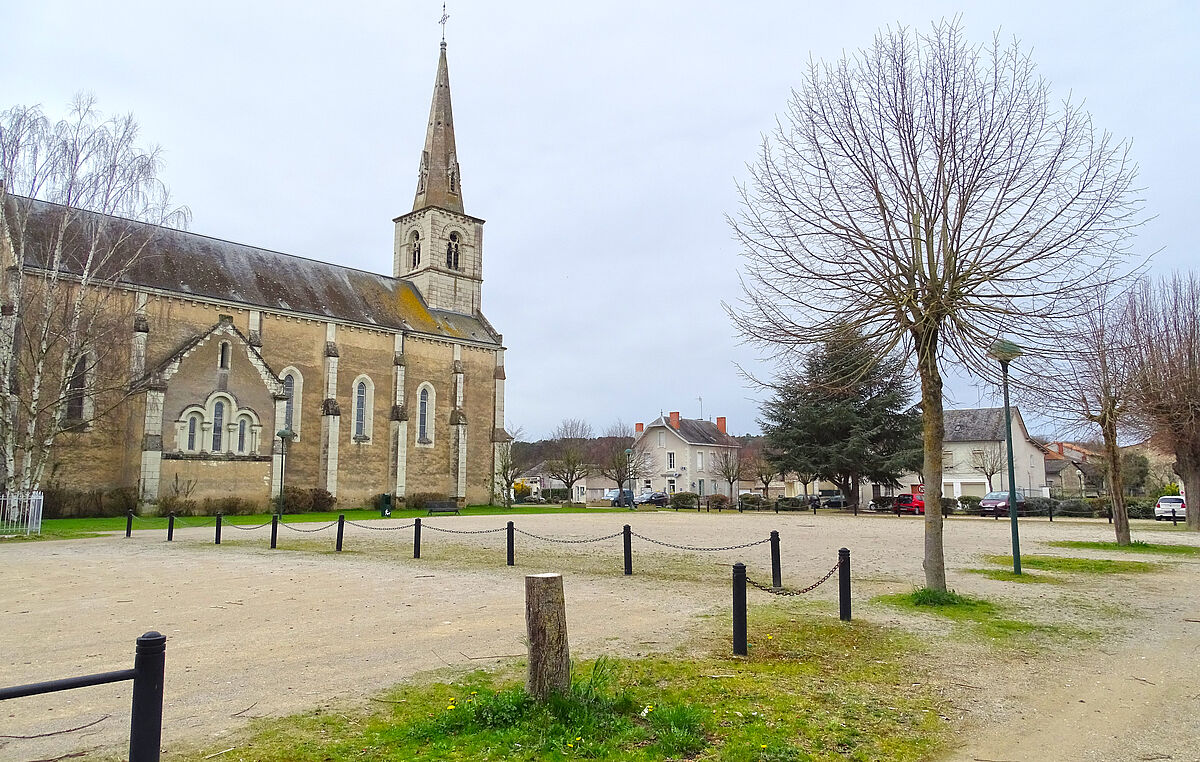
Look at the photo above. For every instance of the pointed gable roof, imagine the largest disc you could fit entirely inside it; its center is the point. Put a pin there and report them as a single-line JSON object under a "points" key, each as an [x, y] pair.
{"points": [[696, 432], [439, 183]]}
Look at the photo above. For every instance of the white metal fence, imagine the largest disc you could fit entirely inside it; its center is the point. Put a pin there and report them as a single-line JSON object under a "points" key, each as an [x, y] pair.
{"points": [[21, 513]]}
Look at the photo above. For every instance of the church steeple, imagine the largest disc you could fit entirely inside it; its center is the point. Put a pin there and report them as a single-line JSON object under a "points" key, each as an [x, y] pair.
{"points": [[438, 182]]}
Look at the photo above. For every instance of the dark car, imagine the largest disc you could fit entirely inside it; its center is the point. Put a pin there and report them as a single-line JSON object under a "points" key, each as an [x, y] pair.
{"points": [[996, 503], [909, 503], [652, 498], [624, 497]]}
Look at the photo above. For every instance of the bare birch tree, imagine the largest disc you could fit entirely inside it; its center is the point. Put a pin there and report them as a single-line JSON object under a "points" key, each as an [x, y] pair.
{"points": [[989, 461], [929, 193], [75, 198], [1166, 325], [512, 460], [569, 461]]}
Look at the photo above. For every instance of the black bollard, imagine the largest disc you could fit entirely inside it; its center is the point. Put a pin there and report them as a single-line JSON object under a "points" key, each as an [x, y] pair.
{"points": [[341, 530], [129, 524], [776, 570], [1050, 509], [218, 538], [274, 529], [145, 723], [814, 507], [739, 609], [628, 533], [511, 543], [416, 538], [1110, 514], [856, 509], [1174, 520], [777, 505], [171, 527], [844, 584]]}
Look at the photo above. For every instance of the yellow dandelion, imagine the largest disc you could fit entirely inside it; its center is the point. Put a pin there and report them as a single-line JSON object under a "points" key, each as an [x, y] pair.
{"points": [[770, 637], [570, 745], [578, 738], [764, 746]]}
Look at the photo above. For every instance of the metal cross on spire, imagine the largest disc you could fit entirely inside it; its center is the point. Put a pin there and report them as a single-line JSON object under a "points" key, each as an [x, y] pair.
{"points": [[445, 17]]}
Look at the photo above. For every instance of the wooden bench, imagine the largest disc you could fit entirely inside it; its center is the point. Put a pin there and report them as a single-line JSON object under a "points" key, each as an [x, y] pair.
{"points": [[442, 506]]}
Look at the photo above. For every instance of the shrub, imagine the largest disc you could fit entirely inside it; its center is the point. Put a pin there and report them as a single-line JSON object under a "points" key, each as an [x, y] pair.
{"points": [[718, 501], [121, 500], [885, 502], [948, 505], [180, 506], [521, 491], [296, 500], [1099, 505], [790, 504], [1072, 508], [1140, 509], [321, 499], [227, 506], [684, 500], [970, 503], [61, 503], [751, 501], [421, 500], [1039, 506]]}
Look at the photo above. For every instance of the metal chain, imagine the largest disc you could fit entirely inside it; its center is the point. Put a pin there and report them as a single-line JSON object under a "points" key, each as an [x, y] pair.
{"points": [[462, 531], [567, 542], [308, 531], [785, 592], [693, 547], [179, 520], [378, 529], [247, 529]]}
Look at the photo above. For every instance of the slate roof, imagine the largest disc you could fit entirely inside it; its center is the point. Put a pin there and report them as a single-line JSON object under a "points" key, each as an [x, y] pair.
{"points": [[697, 432], [1057, 465], [975, 425], [193, 265]]}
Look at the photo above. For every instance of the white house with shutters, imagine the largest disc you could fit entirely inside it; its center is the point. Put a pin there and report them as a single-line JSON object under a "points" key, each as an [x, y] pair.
{"points": [[684, 454]]}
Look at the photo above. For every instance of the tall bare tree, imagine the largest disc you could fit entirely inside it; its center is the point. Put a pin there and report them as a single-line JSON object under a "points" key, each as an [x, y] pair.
{"points": [[74, 199], [616, 455], [512, 460], [569, 461], [1166, 325], [929, 192], [728, 465], [989, 461], [762, 469]]}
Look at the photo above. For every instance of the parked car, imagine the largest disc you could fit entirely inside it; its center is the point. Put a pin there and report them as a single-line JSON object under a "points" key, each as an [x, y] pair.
{"points": [[908, 503], [1168, 503], [616, 498], [996, 503], [652, 498], [836, 501]]}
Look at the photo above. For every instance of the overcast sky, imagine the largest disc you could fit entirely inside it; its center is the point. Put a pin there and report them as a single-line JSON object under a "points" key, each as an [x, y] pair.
{"points": [[601, 142]]}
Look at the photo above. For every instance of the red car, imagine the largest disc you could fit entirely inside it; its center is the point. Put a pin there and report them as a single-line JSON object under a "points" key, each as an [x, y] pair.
{"points": [[907, 503]]}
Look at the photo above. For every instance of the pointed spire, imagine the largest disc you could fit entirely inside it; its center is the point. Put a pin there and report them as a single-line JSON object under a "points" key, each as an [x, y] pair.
{"points": [[438, 182]]}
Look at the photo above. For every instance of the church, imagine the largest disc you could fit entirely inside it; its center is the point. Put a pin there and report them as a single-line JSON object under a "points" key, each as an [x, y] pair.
{"points": [[252, 369]]}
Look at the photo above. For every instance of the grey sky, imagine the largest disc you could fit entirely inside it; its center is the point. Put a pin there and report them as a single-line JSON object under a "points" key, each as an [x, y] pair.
{"points": [[601, 141]]}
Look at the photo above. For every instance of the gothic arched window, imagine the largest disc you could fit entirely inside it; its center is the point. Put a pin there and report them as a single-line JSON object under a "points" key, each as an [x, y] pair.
{"points": [[452, 252], [76, 390], [423, 417], [193, 424], [414, 244], [289, 388], [241, 436], [218, 425]]}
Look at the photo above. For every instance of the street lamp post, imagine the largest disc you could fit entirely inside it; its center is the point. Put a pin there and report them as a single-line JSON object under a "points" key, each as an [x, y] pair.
{"points": [[1005, 352], [285, 436], [628, 473]]}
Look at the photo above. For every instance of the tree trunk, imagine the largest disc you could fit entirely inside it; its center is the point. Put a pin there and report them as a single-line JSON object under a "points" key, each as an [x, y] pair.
{"points": [[546, 625], [1116, 490], [934, 433], [1187, 465]]}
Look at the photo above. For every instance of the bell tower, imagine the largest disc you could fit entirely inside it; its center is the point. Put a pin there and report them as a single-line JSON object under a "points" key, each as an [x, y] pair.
{"points": [[438, 247]]}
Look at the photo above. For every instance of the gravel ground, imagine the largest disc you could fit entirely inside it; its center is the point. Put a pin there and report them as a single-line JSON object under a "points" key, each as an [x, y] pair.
{"points": [[260, 633]]}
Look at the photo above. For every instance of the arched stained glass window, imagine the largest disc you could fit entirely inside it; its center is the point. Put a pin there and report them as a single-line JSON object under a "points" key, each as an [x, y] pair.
{"points": [[360, 409], [289, 388], [218, 425], [193, 423], [423, 417]]}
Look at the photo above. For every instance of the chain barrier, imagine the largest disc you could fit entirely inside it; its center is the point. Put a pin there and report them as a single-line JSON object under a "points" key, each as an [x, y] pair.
{"points": [[694, 547], [786, 592], [309, 531], [463, 531], [567, 542], [247, 529], [378, 529], [179, 520]]}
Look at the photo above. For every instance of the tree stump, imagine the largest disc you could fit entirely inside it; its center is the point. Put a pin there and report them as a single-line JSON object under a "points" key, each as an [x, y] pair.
{"points": [[546, 625]]}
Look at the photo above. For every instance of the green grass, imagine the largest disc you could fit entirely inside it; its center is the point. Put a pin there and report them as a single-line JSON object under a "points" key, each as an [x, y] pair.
{"points": [[1007, 575], [812, 688], [1076, 565], [65, 529], [978, 616], [1137, 546]]}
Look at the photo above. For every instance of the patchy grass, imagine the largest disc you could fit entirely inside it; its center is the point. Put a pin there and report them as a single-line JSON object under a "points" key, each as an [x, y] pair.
{"points": [[812, 688], [976, 615], [1137, 546], [1077, 565], [1007, 575]]}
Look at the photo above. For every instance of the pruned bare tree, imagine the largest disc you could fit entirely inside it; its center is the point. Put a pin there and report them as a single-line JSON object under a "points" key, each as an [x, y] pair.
{"points": [[1091, 381], [989, 461], [1165, 320], [569, 461], [761, 468], [728, 465], [616, 455], [928, 192], [512, 460], [75, 198]]}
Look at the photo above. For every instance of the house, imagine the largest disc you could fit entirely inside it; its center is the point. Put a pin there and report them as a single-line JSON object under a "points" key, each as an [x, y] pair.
{"points": [[379, 383], [685, 454], [1073, 470]]}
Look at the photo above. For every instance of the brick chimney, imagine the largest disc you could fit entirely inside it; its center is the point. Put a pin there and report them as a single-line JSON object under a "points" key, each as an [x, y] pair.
{"points": [[1060, 448], [721, 424], [675, 419], [639, 427]]}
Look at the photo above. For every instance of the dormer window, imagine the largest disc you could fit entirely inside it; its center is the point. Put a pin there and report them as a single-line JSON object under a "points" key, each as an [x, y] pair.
{"points": [[452, 252], [414, 244]]}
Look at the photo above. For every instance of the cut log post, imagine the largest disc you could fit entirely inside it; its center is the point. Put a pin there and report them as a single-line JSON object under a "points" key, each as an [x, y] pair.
{"points": [[546, 626]]}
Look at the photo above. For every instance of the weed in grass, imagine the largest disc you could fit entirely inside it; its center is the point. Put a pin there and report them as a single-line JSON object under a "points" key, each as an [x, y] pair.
{"points": [[1137, 546], [1007, 575], [1077, 565]]}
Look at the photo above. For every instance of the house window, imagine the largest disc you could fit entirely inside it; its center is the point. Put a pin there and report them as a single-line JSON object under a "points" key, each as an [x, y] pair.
{"points": [[452, 252], [662, 439], [426, 407], [364, 402], [76, 390], [218, 425], [670, 486], [223, 355], [699, 461], [700, 486], [947, 458], [414, 247], [670, 461], [646, 485]]}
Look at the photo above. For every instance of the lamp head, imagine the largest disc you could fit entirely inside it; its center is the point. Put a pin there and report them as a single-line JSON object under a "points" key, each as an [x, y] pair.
{"points": [[285, 434], [1004, 350]]}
